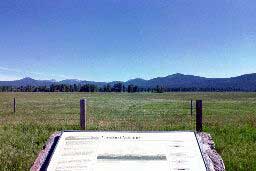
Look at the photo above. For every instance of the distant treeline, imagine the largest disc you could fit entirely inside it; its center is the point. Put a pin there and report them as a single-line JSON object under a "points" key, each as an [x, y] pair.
{"points": [[118, 87]]}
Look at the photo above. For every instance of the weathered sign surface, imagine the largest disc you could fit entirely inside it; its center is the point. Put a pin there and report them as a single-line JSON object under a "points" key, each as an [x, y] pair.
{"points": [[121, 151]]}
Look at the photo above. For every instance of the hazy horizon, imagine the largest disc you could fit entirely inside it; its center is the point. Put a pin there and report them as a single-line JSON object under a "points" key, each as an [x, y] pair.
{"points": [[123, 80]]}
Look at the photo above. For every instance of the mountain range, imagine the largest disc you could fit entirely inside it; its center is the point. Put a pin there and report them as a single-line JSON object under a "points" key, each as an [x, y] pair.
{"points": [[245, 82]]}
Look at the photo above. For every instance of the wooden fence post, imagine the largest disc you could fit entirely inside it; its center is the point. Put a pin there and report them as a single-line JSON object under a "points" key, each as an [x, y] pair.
{"points": [[191, 107], [14, 105], [199, 118], [82, 114]]}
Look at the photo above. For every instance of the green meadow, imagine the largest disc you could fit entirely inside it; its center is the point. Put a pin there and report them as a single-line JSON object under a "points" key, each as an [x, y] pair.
{"points": [[229, 117]]}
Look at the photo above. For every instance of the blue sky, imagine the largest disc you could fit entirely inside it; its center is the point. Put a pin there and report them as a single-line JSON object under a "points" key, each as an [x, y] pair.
{"points": [[118, 40]]}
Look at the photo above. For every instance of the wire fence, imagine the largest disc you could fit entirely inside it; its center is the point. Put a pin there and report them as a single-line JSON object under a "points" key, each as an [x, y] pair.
{"points": [[118, 115]]}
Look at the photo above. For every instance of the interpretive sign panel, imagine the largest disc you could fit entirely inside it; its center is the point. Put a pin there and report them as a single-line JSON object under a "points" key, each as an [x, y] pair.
{"points": [[123, 151]]}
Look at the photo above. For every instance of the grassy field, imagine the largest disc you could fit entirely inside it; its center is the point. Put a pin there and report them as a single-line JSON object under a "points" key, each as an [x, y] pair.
{"points": [[229, 117]]}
